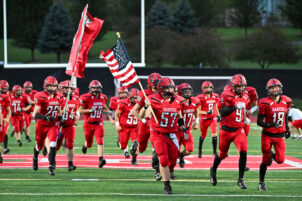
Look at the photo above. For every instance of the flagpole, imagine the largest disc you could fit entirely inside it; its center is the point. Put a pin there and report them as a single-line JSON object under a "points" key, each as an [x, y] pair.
{"points": [[75, 67], [142, 89]]}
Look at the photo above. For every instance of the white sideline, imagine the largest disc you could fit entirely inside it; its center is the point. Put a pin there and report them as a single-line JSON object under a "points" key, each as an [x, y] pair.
{"points": [[150, 195]]}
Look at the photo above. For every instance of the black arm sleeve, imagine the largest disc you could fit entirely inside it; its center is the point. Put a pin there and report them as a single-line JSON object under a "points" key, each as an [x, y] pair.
{"points": [[261, 123], [286, 122], [39, 116], [226, 110]]}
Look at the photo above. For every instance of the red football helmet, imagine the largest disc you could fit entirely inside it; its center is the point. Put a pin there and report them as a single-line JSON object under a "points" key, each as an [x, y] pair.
{"points": [[4, 86], [28, 86], [185, 90], [207, 84], [76, 91], [122, 92], [274, 87], [166, 86], [17, 90], [95, 87], [153, 79], [65, 85], [238, 84], [133, 95], [49, 82]]}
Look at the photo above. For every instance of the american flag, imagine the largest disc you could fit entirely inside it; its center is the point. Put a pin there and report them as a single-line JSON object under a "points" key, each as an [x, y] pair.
{"points": [[120, 65]]}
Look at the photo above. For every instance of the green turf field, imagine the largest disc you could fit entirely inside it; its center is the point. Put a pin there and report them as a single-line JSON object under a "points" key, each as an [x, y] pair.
{"points": [[121, 184]]}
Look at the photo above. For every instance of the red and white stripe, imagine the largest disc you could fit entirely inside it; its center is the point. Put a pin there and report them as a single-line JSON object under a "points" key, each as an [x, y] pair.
{"points": [[126, 76]]}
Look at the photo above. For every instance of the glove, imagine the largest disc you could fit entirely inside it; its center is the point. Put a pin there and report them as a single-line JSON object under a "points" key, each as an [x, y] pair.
{"points": [[287, 134], [290, 118], [48, 118], [240, 105], [247, 121], [61, 120], [210, 111], [13, 114], [219, 119]]}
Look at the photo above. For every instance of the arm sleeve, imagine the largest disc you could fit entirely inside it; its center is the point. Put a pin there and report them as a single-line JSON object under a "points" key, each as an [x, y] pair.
{"points": [[286, 121], [226, 110], [260, 121]]}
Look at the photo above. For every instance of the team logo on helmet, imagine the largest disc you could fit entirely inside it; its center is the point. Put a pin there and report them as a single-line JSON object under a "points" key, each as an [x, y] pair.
{"points": [[51, 84], [207, 87], [274, 87], [185, 90], [153, 80], [238, 84]]}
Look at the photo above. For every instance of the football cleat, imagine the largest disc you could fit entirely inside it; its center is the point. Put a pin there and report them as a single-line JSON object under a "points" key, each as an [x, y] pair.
{"points": [[172, 176], [126, 154], [157, 176], [134, 147], [44, 151], [133, 161], [246, 169], [20, 144], [35, 164], [168, 189], [71, 168], [12, 134], [84, 149], [102, 163], [241, 183], [5, 151], [28, 139], [261, 186], [181, 161], [1, 159], [213, 177], [199, 153], [51, 171]]}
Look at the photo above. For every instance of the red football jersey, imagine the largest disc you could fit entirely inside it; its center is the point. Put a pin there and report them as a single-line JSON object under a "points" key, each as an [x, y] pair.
{"points": [[72, 106], [166, 113], [31, 96], [141, 97], [114, 102], [275, 112], [88, 101], [4, 103], [188, 110], [126, 117], [252, 93], [208, 103], [230, 99], [18, 103], [49, 106]]}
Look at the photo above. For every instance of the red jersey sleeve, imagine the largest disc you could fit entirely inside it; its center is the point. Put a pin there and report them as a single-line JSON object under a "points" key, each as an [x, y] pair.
{"points": [[83, 100], [253, 95], [141, 99], [262, 106], [39, 99], [113, 103]]}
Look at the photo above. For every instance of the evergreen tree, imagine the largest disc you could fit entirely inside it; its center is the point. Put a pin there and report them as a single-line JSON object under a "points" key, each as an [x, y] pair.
{"points": [[25, 20], [159, 15], [57, 33], [293, 11], [183, 19]]}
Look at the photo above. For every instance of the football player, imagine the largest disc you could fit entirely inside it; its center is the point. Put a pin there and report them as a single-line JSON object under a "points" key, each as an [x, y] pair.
{"points": [[272, 117], [48, 119], [189, 111], [126, 123], [233, 107], [70, 116], [251, 107], [144, 123], [5, 114], [92, 105], [28, 90], [295, 121], [209, 115], [4, 87], [122, 94], [167, 109], [20, 104]]}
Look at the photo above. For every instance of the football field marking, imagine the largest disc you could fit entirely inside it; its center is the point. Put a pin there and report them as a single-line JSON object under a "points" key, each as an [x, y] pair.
{"points": [[145, 194]]}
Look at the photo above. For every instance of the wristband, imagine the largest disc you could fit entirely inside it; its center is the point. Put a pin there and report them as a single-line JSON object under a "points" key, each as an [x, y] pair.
{"points": [[254, 109], [196, 120], [143, 120], [117, 123]]}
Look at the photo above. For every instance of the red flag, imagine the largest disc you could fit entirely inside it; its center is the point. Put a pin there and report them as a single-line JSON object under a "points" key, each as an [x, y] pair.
{"points": [[88, 29]]}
